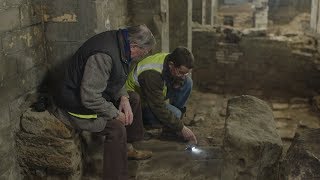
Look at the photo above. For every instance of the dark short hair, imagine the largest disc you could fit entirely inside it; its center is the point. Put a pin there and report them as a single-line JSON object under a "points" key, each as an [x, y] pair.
{"points": [[181, 56]]}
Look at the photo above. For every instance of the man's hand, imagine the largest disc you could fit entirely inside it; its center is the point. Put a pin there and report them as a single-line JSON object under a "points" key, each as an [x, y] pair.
{"points": [[121, 117], [188, 135], [125, 108]]}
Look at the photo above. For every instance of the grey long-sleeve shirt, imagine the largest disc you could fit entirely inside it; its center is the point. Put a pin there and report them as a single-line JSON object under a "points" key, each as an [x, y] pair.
{"points": [[94, 81]]}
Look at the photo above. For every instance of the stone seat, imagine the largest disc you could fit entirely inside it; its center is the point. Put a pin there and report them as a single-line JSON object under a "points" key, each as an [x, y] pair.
{"points": [[47, 147]]}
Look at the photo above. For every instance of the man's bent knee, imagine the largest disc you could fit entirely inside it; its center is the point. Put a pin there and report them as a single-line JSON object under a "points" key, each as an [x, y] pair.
{"points": [[116, 131], [134, 97]]}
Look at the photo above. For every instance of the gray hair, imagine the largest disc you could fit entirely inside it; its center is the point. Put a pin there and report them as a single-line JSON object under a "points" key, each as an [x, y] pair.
{"points": [[142, 36]]}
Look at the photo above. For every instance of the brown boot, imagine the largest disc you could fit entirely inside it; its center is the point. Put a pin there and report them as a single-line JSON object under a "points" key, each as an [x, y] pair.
{"points": [[134, 154]]}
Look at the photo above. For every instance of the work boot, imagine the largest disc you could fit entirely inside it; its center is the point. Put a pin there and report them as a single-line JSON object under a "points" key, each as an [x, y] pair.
{"points": [[134, 154]]}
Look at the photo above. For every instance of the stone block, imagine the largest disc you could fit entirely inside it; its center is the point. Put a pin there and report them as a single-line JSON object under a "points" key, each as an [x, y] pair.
{"points": [[23, 39], [43, 123], [46, 145], [32, 78], [280, 106], [10, 88], [7, 154], [302, 159], [7, 163], [63, 31], [287, 132], [27, 58], [11, 173], [30, 14], [252, 146], [5, 118], [60, 52], [281, 115], [8, 67], [59, 7], [2, 4], [14, 3], [1, 46], [16, 107], [9, 19], [46, 152], [6, 141]]}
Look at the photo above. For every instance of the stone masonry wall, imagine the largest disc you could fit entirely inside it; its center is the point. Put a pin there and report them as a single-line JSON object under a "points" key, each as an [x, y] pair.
{"points": [[70, 23], [283, 11], [22, 67], [148, 13], [178, 26], [258, 66], [37, 35]]}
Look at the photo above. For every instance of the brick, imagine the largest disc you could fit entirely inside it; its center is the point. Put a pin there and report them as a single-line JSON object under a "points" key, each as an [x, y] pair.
{"points": [[22, 39], [30, 14], [9, 19]]}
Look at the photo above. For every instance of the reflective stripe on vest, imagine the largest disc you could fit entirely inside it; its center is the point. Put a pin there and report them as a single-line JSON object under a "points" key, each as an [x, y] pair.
{"points": [[139, 69], [154, 62], [82, 116]]}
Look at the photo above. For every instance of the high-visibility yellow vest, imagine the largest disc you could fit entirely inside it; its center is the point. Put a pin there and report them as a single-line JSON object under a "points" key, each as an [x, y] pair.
{"points": [[154, 62]]}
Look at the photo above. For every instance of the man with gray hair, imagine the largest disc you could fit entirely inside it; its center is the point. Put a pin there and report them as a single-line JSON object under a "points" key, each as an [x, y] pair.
{"points": [[92, 95]]}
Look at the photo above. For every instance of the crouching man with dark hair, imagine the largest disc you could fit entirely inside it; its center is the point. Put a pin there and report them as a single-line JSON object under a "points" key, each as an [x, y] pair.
{"points": [[164, 86]]}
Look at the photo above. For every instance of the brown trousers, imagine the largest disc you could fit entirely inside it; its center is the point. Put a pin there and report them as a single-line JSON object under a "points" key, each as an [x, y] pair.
{"points": [[115, 163]]}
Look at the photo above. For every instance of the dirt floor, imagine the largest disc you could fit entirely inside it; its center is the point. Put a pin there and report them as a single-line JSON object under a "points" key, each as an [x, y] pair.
{"points": [[206, 115]]}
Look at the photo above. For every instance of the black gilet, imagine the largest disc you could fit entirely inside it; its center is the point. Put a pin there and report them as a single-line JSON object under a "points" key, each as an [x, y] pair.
{"points": [[108, 42]]}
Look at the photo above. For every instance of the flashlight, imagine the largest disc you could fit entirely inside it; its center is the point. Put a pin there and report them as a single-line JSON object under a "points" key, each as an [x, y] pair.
{"points": [[193, 148]]}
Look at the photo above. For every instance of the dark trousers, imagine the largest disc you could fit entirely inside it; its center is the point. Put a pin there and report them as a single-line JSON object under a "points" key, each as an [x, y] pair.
{"points": [[115, 163]]}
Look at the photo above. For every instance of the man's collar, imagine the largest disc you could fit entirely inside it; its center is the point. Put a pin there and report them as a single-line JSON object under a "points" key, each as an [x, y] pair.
{"points": [[125, 52]]}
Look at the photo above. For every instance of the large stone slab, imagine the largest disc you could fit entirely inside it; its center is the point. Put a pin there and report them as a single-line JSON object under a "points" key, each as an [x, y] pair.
{"points": [[303, 157], [251, 147], [170, 161]]}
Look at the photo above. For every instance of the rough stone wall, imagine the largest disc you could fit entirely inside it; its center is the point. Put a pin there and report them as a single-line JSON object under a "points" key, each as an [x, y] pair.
{"points": [[178, 26], [147, 12], [22, 59], [69, 23], [36, 35], [283, 11], [256, 66]]}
